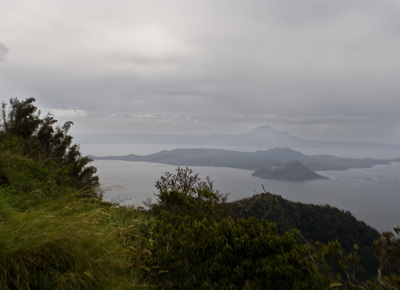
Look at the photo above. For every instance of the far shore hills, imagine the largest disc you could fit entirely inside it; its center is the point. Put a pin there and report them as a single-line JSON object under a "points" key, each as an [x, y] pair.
{"points": [[276, 163], [260, 137], [280, 162]]}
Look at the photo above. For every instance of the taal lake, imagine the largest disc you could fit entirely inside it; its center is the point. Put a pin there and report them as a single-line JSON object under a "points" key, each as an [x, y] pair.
{"points": [[370, 194]]}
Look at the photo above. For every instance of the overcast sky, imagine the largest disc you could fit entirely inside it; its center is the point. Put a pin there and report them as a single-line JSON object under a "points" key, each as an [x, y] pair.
{"points": [[325, 70]]}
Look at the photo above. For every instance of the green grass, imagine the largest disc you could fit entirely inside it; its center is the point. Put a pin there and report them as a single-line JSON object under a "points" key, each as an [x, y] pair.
{"points": [[54, 236], [70, 243]]}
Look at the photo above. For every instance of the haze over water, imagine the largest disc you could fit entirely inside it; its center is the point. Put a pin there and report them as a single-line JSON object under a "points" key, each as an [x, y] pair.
{"points": [[370, 194]]}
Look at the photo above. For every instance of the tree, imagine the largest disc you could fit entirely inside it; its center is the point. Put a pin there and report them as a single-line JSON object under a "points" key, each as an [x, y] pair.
{"points": [[187, 182], [387, 250], [23, 118], [184, 193], [43, 141]]}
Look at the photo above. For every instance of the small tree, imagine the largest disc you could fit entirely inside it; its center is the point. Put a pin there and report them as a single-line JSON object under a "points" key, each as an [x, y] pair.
{"points": [[184, 193], [387, 251], [23, 118]]}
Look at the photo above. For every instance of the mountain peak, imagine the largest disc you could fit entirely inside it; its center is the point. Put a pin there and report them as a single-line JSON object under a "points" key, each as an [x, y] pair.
{"points": [[266, 129], [269, 136]]}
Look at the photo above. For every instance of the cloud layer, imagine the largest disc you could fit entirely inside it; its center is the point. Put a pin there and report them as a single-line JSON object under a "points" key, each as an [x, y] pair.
{"points": [[3, 51], [322, 70]]}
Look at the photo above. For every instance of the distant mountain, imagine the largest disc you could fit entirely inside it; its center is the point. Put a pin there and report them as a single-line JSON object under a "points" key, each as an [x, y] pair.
{"points": [[293, 165], [264, 136], [268, 137]]}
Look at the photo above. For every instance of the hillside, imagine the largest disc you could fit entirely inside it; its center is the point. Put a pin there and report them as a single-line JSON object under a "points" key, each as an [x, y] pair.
{"points": [[55, 231], [316, 223], [263, 136]]}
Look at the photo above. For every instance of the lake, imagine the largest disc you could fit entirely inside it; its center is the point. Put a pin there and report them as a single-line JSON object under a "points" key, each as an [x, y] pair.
{"points": [[370, 194]]}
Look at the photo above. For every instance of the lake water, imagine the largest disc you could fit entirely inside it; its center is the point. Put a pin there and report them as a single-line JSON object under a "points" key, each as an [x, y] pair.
{"points": [[370, 194]]}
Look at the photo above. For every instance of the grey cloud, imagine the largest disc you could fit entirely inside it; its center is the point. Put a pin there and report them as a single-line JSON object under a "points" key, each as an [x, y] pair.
{"points": [[212, 66], [3, 51]]}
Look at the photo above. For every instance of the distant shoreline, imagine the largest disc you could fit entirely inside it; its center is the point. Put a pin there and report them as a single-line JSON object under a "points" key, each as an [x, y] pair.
{"points": [[263, 163]]}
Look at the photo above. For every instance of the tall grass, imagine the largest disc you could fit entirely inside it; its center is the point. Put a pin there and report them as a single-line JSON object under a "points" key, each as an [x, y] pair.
{"points": [[54, 236], [69, 243]]}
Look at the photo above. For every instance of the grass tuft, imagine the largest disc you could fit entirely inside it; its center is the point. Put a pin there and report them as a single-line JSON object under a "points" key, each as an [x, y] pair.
{"points": [[69, 243]]}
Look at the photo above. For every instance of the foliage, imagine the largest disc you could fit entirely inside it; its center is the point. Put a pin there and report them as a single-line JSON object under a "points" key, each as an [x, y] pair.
{"points": [[232, 254], [196, 246], [23, 132], [185, 193], [23, 118], [52, 238], [186, 181], [55, 232], [387, 251], [316, 223]]}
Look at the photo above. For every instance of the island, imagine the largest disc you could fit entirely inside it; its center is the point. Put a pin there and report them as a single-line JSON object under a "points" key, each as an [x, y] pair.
{"points": [[292, 170], [276, 163]]}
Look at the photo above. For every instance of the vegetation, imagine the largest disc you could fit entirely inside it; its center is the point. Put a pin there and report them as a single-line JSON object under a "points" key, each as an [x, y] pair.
{"points": [[26, 134], [57, 233], [316, 223], [198, 245], [68, 243], [387, 251]]}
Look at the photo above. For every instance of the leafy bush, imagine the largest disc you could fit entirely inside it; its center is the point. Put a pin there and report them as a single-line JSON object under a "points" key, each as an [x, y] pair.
{"points": [[184, 193], [228, 254], [387, 251]]}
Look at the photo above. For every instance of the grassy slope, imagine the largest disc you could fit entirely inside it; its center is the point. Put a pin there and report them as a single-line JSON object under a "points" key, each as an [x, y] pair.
{"points": [[69, 243], [53, 238]]}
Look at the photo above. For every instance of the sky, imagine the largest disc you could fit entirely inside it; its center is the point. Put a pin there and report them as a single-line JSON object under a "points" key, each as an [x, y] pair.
{"points": [[326, 70]]}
